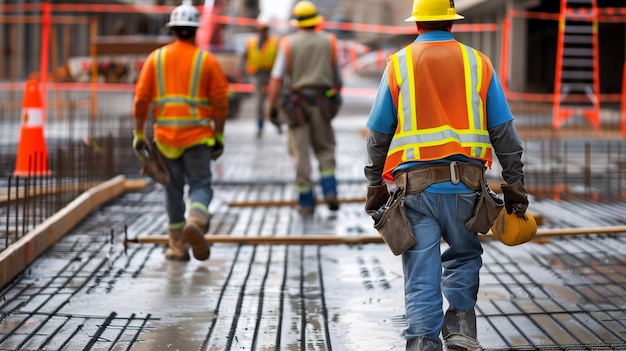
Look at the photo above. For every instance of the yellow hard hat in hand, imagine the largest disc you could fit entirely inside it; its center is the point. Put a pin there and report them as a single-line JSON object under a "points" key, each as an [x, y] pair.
{"points": [[512, 229]]}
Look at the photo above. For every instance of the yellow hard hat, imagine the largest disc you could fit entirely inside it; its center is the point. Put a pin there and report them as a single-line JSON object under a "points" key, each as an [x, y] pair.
{"points": [[433, 10], [512, 230], [305, 15]]}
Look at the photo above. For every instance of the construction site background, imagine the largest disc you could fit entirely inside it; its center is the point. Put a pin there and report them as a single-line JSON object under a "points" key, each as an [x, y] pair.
{"points": [[88, 126]]}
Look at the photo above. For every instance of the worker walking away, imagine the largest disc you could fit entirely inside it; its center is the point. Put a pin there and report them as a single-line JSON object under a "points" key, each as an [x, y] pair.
{"points": [[307, 71], [259, 57], [188, 93], [438, 115]]}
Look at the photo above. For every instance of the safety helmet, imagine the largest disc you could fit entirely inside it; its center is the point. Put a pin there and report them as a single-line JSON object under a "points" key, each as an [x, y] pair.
{"points": [[513, 230], [185, 15], [305, 15], [433, 10]]}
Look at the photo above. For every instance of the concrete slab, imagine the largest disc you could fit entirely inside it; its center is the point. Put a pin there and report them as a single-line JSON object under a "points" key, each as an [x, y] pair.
{"points": [[90, 292]]}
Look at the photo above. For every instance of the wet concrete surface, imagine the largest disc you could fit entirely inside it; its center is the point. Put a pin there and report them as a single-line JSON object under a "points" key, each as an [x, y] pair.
{"points": [[90, 292]]}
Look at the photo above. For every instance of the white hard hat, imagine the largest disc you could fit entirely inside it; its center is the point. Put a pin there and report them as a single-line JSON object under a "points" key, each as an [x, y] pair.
{"points": [[185, 15]]}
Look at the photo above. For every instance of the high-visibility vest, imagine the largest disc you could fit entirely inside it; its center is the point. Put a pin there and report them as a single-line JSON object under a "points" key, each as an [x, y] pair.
{"points": [[181, 118], [438, 115], [262, 58], [286, 46]]}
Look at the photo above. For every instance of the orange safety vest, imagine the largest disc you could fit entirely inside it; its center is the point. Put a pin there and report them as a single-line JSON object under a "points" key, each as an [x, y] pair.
{"points": [[261, 58], [437, 116], [182, 117]]}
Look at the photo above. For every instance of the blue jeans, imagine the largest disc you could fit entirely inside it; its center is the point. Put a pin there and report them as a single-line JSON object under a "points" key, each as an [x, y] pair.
{"points": [[194, 168], [427, 272]]}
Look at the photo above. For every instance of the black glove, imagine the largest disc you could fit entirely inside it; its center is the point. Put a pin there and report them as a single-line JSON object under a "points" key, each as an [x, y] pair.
{"points": [[375, 198], [273, 116], [218, 148], [515, 198], [141, 147]]}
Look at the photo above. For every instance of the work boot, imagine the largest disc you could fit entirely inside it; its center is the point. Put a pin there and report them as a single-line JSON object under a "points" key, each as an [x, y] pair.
{"points": [[329, 189], [459, 330], [178, 249], [423, 343], [193, 232], [306, 203]]}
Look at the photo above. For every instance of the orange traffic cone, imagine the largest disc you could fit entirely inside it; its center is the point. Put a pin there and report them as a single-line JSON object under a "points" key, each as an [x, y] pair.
{"points": [[32, 154]]}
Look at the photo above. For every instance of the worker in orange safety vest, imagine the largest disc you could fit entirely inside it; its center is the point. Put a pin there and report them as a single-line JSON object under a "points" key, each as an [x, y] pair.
{"points": [[259, 58], [438, 118], [188, 92]]}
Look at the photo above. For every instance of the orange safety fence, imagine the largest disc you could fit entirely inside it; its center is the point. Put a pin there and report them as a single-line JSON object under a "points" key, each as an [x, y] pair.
{"points": [[613, 14]]}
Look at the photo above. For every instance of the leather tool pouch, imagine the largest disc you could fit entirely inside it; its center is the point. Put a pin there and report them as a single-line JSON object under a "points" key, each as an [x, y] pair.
{"points": [[486, 211], [155, 168], [393, 224], [331, 103], [292, 110]]}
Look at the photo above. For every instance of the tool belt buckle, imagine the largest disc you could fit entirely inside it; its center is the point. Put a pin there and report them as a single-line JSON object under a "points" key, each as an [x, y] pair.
{"points": [[454, 173]]}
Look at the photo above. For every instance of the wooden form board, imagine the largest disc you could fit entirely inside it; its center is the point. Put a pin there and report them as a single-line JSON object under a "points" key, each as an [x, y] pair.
{"points": [[15, 258], [331, 239]]}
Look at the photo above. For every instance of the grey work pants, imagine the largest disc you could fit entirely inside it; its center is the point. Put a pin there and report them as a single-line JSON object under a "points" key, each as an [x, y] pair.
{"points": [[261, 79], [316, 134]]}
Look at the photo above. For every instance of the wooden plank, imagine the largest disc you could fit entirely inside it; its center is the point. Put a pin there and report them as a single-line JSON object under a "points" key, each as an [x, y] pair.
{"points": [[20, 254], [330, 239]]}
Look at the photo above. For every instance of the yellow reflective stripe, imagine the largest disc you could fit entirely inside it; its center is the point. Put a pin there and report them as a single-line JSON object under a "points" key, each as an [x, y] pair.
{"points": [[182, 122], [411, 89], [174, 226], [199, 206], [196, 70], [468, 86], [398, 67], [182, 100], [473, 84], [407, 112], [159, 68], [439, 136]]}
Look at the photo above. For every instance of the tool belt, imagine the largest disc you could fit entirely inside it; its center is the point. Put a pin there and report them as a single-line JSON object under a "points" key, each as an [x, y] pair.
{"points": [[418, 178]]}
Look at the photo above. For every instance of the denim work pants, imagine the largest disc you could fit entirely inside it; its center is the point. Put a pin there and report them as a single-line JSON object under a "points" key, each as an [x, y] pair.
{"points": [[427, 272], [193, 168]]}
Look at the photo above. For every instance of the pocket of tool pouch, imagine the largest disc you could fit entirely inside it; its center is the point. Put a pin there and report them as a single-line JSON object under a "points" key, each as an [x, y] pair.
{"points": [[394, 225]]}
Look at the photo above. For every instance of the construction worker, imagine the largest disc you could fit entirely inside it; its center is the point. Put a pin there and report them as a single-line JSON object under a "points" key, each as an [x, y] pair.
{"points": [[188, 93], [438, 115], [307, 67], [259, 57]]}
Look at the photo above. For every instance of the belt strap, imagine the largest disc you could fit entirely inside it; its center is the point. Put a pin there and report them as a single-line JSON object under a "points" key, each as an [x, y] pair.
{"points": [[416, 179]]}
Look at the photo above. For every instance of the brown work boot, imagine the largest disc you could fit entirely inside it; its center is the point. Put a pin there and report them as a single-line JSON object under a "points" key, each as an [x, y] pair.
{"points": [[178, 249], [193, 232], [332, 202]]}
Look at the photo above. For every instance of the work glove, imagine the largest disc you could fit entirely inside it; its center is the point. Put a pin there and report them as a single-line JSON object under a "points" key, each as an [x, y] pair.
{"points": [[141, 147], [375, 198], [273, 116], [515, 198], [218, 148]]}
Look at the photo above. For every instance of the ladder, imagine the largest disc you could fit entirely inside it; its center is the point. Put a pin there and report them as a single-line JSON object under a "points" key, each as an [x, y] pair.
{"points": [[577, 76]]}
